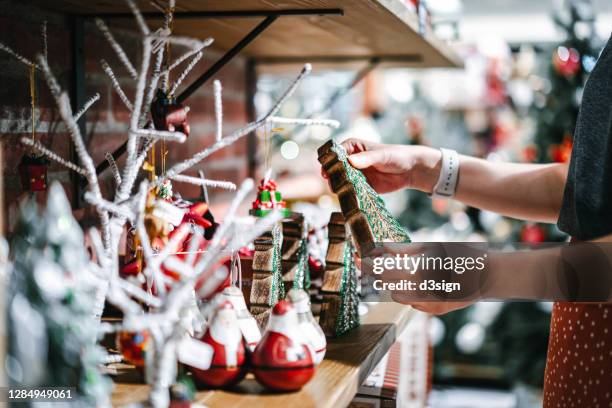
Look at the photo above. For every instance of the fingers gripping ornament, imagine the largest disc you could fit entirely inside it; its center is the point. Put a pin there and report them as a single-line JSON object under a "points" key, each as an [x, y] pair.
{"points": [[228, 364], [308, 326], [283, 360]]}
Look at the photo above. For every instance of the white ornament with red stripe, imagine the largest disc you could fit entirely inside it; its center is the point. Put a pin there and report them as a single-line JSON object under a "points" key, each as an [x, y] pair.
{"points": [[228, 365], [248, 324], [283, 360], [308, 326]]}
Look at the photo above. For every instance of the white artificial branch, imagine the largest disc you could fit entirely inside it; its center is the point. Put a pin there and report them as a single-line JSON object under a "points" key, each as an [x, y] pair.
{"points": [[43, 36], [86, 107], [120, 210], [116, 85], [218, 110], [116, 47], [227, 185], [65, 111], [52, 155], [307, 122], [228, 140], [186, 72], [113, 166], [18, 56], [161, 134], [142, 25]]}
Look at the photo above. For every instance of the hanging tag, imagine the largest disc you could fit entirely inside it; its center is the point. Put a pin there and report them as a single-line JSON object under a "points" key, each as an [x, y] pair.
{"points": [[194, 353], [168, 212]]}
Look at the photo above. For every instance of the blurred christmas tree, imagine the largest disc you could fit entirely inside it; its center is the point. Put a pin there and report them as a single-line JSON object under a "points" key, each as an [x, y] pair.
{"points": [[51, 322], [556, 106]]}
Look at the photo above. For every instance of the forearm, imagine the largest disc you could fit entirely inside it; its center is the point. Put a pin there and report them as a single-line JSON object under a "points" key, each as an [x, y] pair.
{"points": [[526, 191]]}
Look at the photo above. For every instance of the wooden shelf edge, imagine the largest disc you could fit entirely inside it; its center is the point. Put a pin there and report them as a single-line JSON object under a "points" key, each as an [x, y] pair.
{"points": [[350, 359], [409, 18]]}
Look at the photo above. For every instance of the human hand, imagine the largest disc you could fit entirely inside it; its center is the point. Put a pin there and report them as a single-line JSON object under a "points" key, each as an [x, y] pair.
{"points": [[392, 167]]}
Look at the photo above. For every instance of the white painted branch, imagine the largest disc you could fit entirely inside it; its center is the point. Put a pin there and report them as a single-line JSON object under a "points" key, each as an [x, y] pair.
{"points": [[305, 71], [186, 72], [18, 56], [87, 105], [306, 122], [116, 85], [63, 103], [52, 155], [162, 134], [109, 206], [117, 48], [142, 25], [228, 140], [43, 36], [113, 166], [227, 185], [218, 109]]}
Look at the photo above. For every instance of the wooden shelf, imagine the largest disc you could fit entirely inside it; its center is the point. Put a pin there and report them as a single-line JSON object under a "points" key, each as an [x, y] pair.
{"points": [[348, 362], [384, 29]]}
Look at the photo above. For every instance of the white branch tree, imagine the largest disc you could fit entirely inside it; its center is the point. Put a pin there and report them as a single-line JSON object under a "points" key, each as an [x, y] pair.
{"points": [[164, 312]]}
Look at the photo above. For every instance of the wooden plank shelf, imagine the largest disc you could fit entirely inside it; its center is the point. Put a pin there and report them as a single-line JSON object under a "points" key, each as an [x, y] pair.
{"points": [[386, 30], [348, 362]]}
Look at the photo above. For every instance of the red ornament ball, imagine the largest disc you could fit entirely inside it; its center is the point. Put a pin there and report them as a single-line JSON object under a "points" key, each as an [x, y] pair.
{"points": [[566, 61], [281, 361], [133, 346]]}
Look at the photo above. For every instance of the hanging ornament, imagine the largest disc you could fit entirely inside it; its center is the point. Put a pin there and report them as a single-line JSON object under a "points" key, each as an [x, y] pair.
{"points": [[33, 168], [133, 346], [33, 171], [308, 326], [164, 190], [282, 360], [268, 199], [566, 61], [562, 152], [169, 115], [228, 364]]}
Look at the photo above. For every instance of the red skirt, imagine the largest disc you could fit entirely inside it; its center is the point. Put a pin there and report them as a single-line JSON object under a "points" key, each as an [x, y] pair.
{"points": [[579, 362]]}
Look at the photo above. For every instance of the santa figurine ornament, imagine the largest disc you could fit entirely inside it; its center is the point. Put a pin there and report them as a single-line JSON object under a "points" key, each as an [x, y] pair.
{"points": [[246, 321], [228, 364], [283, 360], [308, 326]]}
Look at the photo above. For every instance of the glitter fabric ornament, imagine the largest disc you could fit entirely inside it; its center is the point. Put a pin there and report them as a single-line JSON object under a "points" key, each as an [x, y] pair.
{"points": [[133, 346], [308, 326], [283, 360], [228, 364]]}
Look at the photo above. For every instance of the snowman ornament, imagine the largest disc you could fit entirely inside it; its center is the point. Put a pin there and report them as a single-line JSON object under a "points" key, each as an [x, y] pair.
{"points": [[283, 360], [308, 326], [228, 365]]}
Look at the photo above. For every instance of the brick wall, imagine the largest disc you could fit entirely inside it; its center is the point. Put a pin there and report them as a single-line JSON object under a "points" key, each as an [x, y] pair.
{"points": [[107, 120]]}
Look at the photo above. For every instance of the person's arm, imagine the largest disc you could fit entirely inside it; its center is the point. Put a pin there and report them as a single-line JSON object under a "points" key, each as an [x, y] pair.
{"points": [[527, 191]]}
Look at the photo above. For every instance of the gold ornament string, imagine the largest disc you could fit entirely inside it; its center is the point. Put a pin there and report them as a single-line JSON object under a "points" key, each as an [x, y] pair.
{"points": [[170, 14]]}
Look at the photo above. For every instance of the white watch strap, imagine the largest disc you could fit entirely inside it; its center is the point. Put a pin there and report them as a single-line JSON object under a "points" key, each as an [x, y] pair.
{"points": [[447, 182]]}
